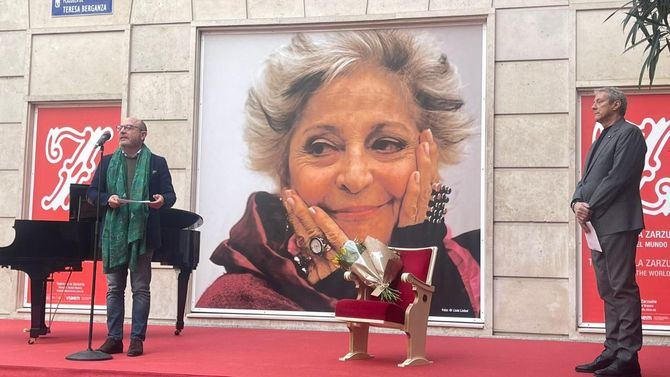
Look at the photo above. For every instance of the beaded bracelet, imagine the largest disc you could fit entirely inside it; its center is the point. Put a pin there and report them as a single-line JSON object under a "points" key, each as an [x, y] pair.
{"points": [[437, 206]]}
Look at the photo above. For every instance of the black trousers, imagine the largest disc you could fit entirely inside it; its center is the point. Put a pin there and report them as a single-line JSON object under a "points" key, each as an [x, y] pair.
{"points": [[615, 275]]}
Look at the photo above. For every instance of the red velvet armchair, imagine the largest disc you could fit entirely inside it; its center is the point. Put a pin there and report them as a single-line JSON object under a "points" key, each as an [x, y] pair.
{"points": [[409, 314]]}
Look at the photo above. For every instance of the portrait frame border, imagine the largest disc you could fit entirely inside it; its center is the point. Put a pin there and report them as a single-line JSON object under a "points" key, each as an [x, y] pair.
{"points": [[486, 157]]}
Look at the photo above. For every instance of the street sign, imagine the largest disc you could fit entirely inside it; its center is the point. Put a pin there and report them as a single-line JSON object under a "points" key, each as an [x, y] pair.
{"points": [[80, 7]]}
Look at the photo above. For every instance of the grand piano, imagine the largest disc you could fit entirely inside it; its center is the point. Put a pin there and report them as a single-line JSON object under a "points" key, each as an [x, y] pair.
{"points": [[41, 248]]}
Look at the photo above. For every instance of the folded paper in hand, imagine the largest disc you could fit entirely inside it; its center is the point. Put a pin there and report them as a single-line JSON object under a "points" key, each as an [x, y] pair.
{"points": [[592, 238], [126, 201]]}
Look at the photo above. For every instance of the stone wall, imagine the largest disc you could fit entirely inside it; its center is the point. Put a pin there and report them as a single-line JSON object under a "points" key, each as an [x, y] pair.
{"points": [[540, 53]]}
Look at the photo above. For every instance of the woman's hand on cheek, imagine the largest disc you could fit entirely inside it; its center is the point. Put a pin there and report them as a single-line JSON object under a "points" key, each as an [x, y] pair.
{"points": [[297, 219], [409, 208], [417, 194], [334, 234], [307, 224]]}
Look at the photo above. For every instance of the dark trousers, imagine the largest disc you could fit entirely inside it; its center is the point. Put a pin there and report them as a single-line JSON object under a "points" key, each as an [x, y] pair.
{"points": [[615, 275], [140, 281]]}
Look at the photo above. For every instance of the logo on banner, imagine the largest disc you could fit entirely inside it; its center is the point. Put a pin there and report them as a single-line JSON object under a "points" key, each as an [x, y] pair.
{"points": [[655, 185], [657, 134], [78, 167]]}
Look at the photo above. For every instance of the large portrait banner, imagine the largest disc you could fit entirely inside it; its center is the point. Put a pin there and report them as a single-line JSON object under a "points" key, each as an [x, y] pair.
{"points": [[64, 153], [352, 123], [650, 112]]}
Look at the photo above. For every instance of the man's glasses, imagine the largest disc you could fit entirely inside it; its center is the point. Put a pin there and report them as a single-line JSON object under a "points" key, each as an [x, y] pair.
{"points": [[126, 127]]}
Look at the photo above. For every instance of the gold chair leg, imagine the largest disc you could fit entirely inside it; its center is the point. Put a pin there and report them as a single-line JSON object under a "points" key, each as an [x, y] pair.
{"points": [[358, 342]]}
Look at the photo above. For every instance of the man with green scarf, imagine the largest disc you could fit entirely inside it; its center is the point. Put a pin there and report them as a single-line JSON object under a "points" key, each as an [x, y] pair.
{"points": [[134, 184]]}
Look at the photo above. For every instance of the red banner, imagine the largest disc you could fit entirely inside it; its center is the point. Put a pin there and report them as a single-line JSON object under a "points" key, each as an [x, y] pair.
{"points": [[651, 112], [65, 153]]}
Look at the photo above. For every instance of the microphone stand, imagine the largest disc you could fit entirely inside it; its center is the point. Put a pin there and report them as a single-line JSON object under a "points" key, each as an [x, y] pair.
{"points": [[89, 354]]}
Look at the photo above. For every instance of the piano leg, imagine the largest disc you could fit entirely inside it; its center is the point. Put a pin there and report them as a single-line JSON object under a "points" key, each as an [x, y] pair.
{"points": [[38, 289], [182, 288]]}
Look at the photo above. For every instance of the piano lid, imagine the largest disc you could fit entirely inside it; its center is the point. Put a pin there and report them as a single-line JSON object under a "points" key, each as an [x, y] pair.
{"points": [[179, 219]]}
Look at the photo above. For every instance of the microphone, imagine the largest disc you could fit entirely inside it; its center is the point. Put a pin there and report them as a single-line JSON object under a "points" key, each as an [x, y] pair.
{"points": [[106, 136]]}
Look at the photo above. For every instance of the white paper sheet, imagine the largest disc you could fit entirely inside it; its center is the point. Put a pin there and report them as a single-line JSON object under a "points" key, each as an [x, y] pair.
{"points": [[592, 238], [126, 201]]}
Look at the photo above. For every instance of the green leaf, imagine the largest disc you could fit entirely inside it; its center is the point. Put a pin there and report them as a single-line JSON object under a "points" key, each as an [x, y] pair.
{"points": [[647, 23]]}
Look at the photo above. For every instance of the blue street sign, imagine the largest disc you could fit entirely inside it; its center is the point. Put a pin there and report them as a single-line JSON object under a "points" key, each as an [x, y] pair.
{"points": [[80, 7]]}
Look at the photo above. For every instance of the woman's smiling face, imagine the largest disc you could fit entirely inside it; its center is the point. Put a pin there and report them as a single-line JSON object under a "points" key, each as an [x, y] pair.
{"points": [[353, 150]]}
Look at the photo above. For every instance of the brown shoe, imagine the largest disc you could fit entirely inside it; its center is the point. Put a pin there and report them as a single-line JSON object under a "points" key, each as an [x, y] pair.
{"points": [[111, 346], [136, 348]]}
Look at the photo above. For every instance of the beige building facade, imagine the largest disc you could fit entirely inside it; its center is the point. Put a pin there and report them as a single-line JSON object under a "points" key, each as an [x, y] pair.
{"points": [[540, 54]]}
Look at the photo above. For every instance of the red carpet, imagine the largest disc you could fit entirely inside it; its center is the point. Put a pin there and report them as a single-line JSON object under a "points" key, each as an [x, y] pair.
{"points": [[213, 351]]}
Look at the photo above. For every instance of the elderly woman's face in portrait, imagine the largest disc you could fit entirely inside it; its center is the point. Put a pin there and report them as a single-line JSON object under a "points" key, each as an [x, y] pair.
{"points": [[353, 150]]}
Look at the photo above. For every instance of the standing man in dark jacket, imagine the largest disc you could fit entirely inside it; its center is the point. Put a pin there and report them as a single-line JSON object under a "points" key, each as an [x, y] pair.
{"points": [[608, 195], [135, 184]]}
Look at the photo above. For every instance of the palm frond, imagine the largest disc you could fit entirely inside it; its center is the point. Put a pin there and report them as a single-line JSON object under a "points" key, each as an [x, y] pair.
{"points": [[647, 23]]}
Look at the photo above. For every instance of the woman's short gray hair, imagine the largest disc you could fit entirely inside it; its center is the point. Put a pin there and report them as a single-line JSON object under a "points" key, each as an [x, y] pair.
{"points": [[292, 75]]}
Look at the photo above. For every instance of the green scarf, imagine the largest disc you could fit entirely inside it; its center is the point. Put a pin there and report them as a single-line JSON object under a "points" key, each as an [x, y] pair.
{"points": [[123, 234]]}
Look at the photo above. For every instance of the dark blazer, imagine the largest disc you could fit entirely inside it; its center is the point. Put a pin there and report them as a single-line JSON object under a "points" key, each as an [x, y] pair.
{"points": [[160, 182], [610, 183]]}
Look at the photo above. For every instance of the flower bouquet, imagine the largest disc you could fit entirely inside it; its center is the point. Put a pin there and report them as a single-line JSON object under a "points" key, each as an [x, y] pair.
{"points": [[374, 263]]}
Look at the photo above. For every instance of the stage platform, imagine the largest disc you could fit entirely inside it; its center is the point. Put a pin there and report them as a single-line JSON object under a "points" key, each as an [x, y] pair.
{"points": [[235, 352]]}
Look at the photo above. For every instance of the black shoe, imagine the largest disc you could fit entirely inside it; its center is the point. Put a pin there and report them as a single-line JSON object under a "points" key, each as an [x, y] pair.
{"points": [[111, 346], [599, 363], [136, 348], [621, 368]]}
